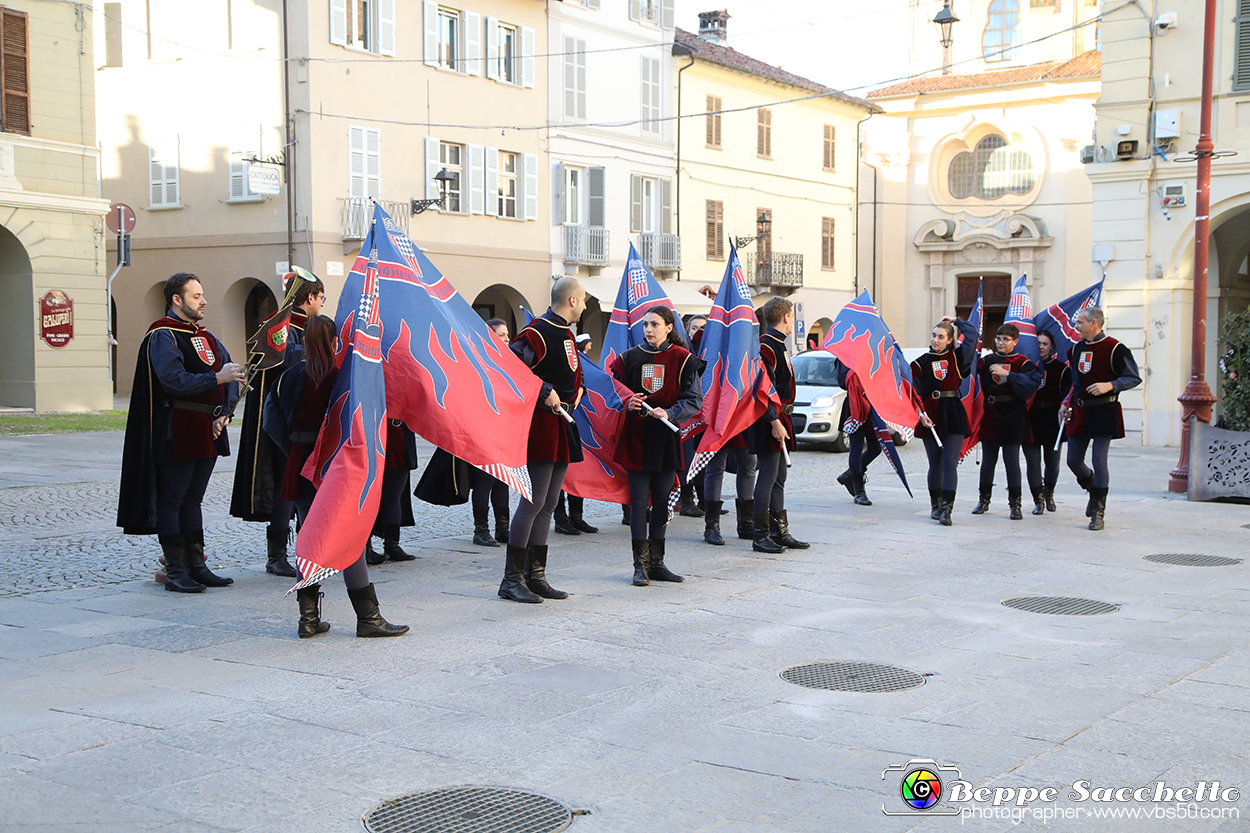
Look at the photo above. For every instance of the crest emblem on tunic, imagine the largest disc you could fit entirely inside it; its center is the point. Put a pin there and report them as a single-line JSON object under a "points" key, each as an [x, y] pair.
{"points": [[277, 336], [940, 369], [653, 377], [570, 350], [1086, 361], [203, 349]]}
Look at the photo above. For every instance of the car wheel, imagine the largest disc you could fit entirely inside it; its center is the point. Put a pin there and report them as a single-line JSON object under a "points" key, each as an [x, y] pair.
{"points": [[840, 445]]}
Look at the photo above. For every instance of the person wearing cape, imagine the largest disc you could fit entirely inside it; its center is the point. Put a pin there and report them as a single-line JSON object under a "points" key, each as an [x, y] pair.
{"points": [[936, 376]]}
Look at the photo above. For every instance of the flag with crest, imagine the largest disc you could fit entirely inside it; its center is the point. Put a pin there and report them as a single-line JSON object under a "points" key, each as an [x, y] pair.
{"points": [[599, 415], [1060, 319], [970, 388], [639, 293], [1020, 313]]}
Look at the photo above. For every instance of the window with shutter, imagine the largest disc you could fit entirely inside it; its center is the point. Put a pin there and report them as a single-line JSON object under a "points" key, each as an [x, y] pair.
{"points": [[574, 78], [595, 196], [1241, 59], [650, 95], [471, 29], [826, 243], [529, 45], [666, 206], [239, 190], [449, 39], [15, 106], [364, 162], [713, 121], [829, 158], [715, 229], [635, 203], [369, 25], [163, 174], [764, 133]]}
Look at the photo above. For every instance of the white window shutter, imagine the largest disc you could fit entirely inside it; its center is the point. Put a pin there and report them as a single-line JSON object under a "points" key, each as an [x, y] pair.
{"points": [[471, 26], [386, 27], [592, 4], [238, 175], [635, 10], [356, 162], [644, 96], [431, 167], [666, 206], [173, 169], [430, 20], [477, 179], [338, 22], [559, 194], [156, 176], [492, 181], [570, 78], [492, 47], [596, 202], [527, 56], [635, 193], [666, 14], [581, 79], [530, 162], [373, 163]]}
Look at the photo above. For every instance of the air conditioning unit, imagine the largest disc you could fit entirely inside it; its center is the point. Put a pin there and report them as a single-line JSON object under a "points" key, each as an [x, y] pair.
{"points": [[1087, 155]]}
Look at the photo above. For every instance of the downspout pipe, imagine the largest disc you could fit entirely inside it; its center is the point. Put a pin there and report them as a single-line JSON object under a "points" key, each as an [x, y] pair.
{"points": [[289, 153], [679, 50]]}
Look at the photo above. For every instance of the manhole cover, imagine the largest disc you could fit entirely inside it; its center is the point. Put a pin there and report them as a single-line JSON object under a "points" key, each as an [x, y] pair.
{"points": [[1060, 605], [852, 676], [469, 810], [1189, 559]]}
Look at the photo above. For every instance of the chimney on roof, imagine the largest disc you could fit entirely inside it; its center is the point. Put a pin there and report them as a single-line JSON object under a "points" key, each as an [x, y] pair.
{"points": [[714, 27]]}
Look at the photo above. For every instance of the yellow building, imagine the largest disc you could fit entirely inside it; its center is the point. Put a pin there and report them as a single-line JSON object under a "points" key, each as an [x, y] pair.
{"points": [[774, 145], [53, 327]]}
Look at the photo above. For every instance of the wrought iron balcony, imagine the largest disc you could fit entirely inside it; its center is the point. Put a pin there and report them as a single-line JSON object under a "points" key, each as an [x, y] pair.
{"points": [[357, 213], [585, 245], [774, 269], [660, 251]]}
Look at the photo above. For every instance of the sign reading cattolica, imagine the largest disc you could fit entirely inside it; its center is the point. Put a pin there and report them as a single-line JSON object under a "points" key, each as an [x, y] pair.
{"points": [[56, 318]]}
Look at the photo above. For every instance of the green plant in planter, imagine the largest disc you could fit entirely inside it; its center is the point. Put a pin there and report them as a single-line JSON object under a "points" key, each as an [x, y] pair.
{"points": [[1235, 368]]}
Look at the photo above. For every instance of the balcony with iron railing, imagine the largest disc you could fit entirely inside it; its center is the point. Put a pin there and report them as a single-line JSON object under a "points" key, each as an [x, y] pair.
{"points": [[357, 213], [585, 245], [777, 270], [661, 252]]}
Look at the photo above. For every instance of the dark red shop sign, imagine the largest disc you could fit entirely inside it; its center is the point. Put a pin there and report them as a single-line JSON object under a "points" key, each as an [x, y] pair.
{"points": [[56, 313]]}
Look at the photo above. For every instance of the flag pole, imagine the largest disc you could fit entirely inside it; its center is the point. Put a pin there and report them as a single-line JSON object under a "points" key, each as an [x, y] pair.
{"points": [[1059, 439], [297, 281], [936, 438]]}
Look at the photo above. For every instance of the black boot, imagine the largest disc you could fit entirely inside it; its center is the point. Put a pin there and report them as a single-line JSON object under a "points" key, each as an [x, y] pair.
{"points": [[642, 554], [502, 526], [276, 538], [177, 580], [310, 623], [711, 522], [698, 494], [536, 575], [391, 547], [983, 505], [369, 621], [1048, 494], [372, 556], [1013, 500], [481, 530], [196, 566], [513, 584], [688, 507], [746, 527], [1099, 496], [625, 514], [944, 509], [847, 480], [561, 518], [935, 503], [656, 571], [861, 497], [779, 526], [1038, 507], [761, 542], [581, 526], [576, 507]]}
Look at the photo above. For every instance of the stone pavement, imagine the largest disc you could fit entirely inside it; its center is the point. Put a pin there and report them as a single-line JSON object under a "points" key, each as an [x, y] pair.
{"points": [[126, 708]]}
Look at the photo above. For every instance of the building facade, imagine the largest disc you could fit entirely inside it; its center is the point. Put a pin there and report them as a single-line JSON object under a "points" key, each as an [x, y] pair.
{"points": [[53, 300]]}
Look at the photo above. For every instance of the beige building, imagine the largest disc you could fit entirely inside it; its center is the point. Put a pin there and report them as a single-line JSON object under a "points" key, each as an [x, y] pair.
{"points": [[774, 145], [382, 95], [52, 257]]}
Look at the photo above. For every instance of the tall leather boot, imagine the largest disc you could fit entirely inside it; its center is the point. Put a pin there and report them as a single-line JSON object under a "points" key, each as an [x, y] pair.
{"points": [[536, 575], [576, 507], [1048, 494], [369, 621], [779, 526], [688, 507], [1099, 495], [944, 509], [177, 580], [656, 571], [502, 526], [276, 538], [642, 553], [196, 566], [847, 479], [310, 623], [760, 540], [983, 505], [1038, 507], [481, 530], [391, 547], [935, 503], [711, 522], [1013, 500], [513, 584], [746, 511], [861, 497], [561, 518]]}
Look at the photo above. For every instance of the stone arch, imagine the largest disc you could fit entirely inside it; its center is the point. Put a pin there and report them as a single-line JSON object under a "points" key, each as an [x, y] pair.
{"points": [[240, 314], [503, 301], [820, 328], [17, 323]]}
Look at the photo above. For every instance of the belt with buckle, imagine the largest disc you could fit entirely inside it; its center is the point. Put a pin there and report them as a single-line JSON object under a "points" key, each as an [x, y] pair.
{"points": [[1099, 400], [198, 407], [1001, 397], [944, 394]]}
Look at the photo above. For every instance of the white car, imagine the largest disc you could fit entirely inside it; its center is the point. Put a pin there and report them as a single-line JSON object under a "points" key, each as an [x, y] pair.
{"points": [[817, 400]]}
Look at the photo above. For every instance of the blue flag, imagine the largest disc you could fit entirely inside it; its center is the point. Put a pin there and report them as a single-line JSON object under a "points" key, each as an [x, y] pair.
{"points": [[639, 292], [886, 440], [1020, 313], [970, 388], [1060, 319]]}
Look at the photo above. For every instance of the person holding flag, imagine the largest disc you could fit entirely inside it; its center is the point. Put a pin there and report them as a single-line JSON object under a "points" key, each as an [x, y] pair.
{"points": [[1009, 381], [770, 433], [490, 492], [1044, 423], [548, 347], [665, 380], [937, 376], [856, 422], [293, 418]]}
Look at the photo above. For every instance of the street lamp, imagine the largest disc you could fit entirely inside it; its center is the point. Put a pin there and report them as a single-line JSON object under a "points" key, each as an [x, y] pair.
{"points": [[443, 177], [762, 225], [945, 20]]}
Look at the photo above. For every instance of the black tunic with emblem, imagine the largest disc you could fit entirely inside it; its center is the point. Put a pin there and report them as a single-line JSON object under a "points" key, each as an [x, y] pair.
{"points": [[1044, 412], [1006, 419], [173, 402], [1102, 360], [548, 348], [777, 365], [669, 378], [936, 378]]}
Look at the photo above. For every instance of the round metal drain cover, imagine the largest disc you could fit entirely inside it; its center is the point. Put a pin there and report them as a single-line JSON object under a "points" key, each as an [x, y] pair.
{"points": [[1060, 605], [469, 810], [1189, 559], [863, 677]]}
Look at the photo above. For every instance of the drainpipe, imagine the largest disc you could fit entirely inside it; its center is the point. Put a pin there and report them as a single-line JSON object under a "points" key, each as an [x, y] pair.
{"points": [[289, 150], [688, 51]]}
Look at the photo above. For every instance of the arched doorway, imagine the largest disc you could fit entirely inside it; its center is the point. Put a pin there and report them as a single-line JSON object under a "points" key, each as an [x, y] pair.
{"points": [[995, 296], [503, 302], [17, 324], [819, 329], [245, 305], [260, 304]]}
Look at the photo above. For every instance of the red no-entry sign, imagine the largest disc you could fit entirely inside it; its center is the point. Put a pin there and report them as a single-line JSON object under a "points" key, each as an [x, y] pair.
{"points": [[120, 219]]}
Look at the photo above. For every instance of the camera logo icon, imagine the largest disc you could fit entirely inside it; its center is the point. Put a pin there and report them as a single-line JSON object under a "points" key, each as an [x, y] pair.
{"points": [[922, 783]]}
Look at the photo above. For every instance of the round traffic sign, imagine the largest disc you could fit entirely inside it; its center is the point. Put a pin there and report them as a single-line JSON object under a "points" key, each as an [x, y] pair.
{"points": [[120, 219]]}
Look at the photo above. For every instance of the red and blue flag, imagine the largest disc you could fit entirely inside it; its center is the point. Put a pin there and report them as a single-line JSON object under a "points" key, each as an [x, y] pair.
{"points": [[886, 440], [1060, 319], [970, 389], [639, 293], [1020, 313], [599, 415]]}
